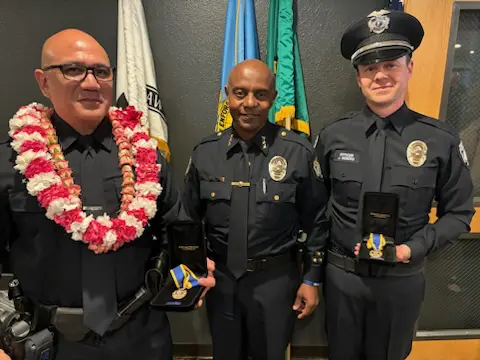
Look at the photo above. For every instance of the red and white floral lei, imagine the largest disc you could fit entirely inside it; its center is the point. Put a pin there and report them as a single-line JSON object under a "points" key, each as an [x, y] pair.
{"points": [[40, 159]]}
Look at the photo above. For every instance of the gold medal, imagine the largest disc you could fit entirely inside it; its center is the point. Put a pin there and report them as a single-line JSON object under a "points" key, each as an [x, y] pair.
{"points": [[417, 153], [179, 294], [376, 254], [277, 168]]}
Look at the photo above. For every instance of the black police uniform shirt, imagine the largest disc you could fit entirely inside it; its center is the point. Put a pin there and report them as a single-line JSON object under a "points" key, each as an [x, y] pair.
{"points": [[42, 255], [444, 176], [277, 209]]}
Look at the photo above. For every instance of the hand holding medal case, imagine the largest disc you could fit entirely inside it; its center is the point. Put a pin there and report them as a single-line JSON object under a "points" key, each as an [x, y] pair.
{"points": [[380, 217], [187, 263]]}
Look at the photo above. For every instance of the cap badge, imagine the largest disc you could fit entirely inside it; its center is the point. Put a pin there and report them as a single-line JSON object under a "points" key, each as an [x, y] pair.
{"points": [[378, 22]]}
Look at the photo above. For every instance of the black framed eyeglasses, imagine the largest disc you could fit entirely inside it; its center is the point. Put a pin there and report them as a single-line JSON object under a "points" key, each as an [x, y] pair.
{"points": [[78, 72]]}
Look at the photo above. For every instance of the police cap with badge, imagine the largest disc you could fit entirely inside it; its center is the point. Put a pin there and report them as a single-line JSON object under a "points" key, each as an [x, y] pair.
{"points": [[381, 36]]}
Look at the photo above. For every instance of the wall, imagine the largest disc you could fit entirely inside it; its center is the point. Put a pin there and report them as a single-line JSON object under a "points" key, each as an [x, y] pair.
{"points": [[187, 40]]}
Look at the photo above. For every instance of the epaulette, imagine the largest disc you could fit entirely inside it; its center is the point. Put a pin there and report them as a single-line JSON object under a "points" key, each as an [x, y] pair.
{"points": [[212, 137], [292, 136], [5, 140], [347, 116], [438, 124]]}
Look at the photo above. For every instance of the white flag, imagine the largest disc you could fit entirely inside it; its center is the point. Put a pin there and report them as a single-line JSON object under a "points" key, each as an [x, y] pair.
{"points": [[136, 81]]}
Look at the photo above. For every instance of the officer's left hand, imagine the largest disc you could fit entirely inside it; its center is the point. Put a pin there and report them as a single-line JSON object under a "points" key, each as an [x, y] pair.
{"points": [[4, 356], [306, 300], [404, 253], [208, 282]]}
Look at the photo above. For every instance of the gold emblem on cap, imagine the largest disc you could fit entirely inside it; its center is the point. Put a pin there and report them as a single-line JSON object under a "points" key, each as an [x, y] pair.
{"points": [[379, 21], [179, 294], [379, 13], [417, 153], [277, 168], [317, 168]]}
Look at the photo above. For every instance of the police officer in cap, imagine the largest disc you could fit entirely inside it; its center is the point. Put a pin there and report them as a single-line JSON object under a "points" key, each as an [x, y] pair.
{"points": [[371, 307], [256, 185]]}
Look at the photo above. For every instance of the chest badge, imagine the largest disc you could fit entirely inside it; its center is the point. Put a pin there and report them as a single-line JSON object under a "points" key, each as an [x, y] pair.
{"points": [[417, 153], [277, 167]]}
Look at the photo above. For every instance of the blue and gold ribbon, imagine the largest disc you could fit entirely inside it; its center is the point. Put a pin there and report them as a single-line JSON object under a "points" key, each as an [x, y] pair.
{"points": [[375, 244], [183, 277], [376, 241]]}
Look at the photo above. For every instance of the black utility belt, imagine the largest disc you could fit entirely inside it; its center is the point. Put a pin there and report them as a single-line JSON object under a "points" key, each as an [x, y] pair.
{"points": [[254, 265], [264, 263], [69, 321], [371, 268]]}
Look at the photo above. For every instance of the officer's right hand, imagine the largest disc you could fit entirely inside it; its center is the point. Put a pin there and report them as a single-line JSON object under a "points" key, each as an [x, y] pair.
{"points": [[4, 356]]}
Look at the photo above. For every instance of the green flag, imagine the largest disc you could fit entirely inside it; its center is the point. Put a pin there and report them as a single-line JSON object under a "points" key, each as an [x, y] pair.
{"points": [[283, 57]]}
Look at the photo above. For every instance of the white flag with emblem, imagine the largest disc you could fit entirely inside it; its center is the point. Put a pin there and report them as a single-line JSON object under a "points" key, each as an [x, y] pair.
{"points": [[136, 78]]}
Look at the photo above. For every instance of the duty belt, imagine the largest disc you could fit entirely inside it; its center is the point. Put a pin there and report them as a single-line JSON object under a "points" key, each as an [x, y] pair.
{"points": [[260, 264], [69, 321], [338, 257]]}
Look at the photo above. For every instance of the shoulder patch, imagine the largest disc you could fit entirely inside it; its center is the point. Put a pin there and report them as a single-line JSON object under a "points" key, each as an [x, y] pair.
{"points": [[463, 154], [317, 168]]}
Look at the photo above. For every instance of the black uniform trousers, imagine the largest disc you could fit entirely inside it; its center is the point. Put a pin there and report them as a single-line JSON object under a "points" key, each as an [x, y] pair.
{"points": [[371, 318], [146, 336], [252, 317]]}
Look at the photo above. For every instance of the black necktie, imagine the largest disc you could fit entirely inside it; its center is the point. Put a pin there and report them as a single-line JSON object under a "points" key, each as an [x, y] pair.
{"points": [[373, 169], [99, 291], [376, 154], [237, 236]]}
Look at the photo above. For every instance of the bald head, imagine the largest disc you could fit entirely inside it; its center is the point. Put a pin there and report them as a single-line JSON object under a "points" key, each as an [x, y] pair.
{"points": [[66, 57], [251, 93], [66, 43], [251, 67]]}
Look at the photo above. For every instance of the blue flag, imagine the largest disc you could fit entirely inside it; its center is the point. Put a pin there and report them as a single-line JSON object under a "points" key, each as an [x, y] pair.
{"points": [[395, 5], [240, 43]]}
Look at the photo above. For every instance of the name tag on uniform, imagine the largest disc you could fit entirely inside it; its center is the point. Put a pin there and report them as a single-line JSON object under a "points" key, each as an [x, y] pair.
{"points": [[92, 208], [346, 156]]}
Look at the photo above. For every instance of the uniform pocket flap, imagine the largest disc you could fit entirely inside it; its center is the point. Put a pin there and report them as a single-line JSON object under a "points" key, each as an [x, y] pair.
{"points": [[413, 177], [215, 190], [345, 171], [21, 201], [276, 192]]}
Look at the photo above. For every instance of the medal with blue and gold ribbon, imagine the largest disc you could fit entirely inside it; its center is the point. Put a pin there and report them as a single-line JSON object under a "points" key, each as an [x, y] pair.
{"points": [[184, 279], [375, 244]]}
